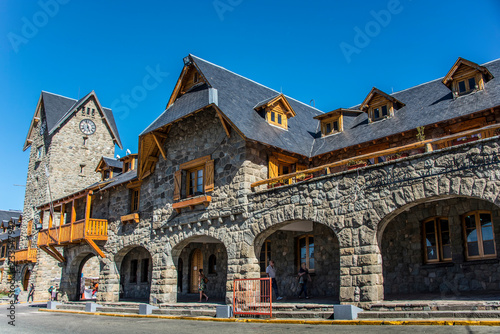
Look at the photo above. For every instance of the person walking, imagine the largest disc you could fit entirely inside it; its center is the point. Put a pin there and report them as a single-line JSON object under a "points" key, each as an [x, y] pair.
{"points": [[202, 284], [31, 293], [271, 272], [303, 279], [17, 291]]}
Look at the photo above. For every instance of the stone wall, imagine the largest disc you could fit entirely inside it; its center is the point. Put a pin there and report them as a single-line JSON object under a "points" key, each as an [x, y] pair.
{"points": [[405, 270]]}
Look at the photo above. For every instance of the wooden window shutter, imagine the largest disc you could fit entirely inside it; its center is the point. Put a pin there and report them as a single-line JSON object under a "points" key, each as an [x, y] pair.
{"points": [[273, 167], [209, 176], [177, 185], [300, 167]]}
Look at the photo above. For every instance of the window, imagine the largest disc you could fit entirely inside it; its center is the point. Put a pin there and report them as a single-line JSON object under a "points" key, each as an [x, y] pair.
{"points": [[265, 256], [277, 118], [85, 141], [194, 177], [144, 270], [212, 264], [82, 169], [88, 111], [437, 240], [133, 271], [39, 152], [479, 235], [195, 181], [105, 175], [134, 199], [305, 248], [83, 111], [93, 111], [380, 112], [3, 251], [466, 86], [330, 126]]}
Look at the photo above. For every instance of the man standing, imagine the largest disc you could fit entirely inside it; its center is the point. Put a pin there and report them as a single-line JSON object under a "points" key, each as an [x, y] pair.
{"points": [[271, 272], [31, 292]]}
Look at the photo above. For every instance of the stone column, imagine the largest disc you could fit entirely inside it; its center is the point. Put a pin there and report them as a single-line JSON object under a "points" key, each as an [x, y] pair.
{"points": [[164, 280], [109, 281], [361, 280], [246, 265]]}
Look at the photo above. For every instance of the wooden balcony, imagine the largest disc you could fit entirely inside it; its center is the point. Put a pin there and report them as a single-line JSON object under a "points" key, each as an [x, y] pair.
{"points": [[74, 233], [25, 255]]}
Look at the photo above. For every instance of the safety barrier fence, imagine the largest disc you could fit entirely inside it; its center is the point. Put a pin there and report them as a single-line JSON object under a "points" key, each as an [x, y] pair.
{"points": [[253, 296]]}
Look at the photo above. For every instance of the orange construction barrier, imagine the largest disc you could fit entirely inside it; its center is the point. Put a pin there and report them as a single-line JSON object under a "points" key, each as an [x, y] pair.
{"points": [[253, 296]]}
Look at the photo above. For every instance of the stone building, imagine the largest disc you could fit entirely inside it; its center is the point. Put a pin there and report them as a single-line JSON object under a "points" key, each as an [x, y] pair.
{"points": [[67, 139], [396, 195], [10, 232]]}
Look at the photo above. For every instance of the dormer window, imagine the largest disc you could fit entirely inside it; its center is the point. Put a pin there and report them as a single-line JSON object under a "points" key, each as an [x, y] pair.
{"points": [[276, 110], [333, 121], [380, 105], [465, 77]]}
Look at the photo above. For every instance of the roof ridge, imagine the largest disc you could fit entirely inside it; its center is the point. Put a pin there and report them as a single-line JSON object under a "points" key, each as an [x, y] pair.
{"points": [[69, 98], [239, 75]]}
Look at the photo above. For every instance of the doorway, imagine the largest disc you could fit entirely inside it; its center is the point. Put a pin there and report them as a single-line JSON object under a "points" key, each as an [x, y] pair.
{"points": [[196, 265]]}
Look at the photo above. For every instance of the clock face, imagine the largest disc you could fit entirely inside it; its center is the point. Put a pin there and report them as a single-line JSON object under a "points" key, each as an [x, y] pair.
{"points": [[87, 126]]}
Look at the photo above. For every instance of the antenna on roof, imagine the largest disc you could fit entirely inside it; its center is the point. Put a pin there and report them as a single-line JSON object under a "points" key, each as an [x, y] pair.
{"points": [[392, 89], [312, 103]]}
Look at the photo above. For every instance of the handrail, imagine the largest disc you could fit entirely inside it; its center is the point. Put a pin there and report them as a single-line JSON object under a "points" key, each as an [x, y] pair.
{"points": [[78, 230], [425, 143]]}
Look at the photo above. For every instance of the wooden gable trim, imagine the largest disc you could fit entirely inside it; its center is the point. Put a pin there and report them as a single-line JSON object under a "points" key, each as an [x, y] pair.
{"points": [[225, 125], [366, 103], [448, 79], [160, 147], [177, 87], [38, 114]]}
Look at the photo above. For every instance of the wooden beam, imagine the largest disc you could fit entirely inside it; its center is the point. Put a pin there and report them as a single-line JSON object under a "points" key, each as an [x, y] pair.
{"points": [[95, 247], [177, 87], [44, 248], [58, 255], [163, 154], [224, 124], [88, 203]]}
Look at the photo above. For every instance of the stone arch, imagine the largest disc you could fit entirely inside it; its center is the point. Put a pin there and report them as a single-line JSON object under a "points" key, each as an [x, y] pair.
{"points": [[76, 258], [283, 242], [390, 215], [134, 265], [404, 248], [204, 245]]}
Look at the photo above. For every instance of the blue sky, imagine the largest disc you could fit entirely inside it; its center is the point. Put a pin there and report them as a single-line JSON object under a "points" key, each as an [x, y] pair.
{"points": [[332, 52]]}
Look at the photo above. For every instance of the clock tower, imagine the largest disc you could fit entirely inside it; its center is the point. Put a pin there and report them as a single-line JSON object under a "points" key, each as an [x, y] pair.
{"points": [[67, 139]]}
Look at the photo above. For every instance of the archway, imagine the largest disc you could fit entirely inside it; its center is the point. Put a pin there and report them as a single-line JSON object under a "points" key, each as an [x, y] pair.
{"points": [[193, 254], [442, 248], [88, 275], [291, 243], [135, 269]]}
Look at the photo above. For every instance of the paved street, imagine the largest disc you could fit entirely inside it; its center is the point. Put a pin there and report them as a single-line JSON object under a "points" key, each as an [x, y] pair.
{"points": [[29, 320]]}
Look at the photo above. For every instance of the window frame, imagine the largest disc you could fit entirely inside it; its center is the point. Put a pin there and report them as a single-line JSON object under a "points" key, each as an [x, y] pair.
{"points": [[438, 237], [277, 114], [308, 259], [338, 120], [135, 197], [379, 107], [479, 234], [192, 191], [181, 182], [266, 249]]}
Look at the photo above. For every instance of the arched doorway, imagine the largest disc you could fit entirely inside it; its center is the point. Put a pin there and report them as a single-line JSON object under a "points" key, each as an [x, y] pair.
{"points": [[291, 243], [88, 275], [193, 254], [135, 269], [445, 247], [26, 279]]}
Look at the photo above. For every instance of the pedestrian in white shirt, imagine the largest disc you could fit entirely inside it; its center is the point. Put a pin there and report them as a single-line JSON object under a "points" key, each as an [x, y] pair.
{"points": [[271, 272]]}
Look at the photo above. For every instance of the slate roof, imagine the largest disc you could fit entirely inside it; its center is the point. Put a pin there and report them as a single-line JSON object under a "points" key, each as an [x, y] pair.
{"points": [[121, 178], [6, 235], [425, 104], [112, 162], [8, 214], [58, 107]]}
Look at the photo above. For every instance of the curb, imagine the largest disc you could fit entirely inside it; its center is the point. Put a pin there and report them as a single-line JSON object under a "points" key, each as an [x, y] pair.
{"points": [[300, 322]]}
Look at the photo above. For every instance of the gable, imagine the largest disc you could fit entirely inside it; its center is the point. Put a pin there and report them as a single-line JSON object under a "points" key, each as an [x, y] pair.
{"points": [[190, 78], [464, 68]]}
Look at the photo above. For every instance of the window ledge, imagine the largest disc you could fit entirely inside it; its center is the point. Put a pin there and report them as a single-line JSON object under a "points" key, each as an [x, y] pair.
{"points": [[474, 262], [133, 217], [192, 202]]}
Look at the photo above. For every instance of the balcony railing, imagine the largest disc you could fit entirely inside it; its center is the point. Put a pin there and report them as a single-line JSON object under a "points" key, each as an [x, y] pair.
{"points": [[94, 229], [390, 154], [25, 255]]}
